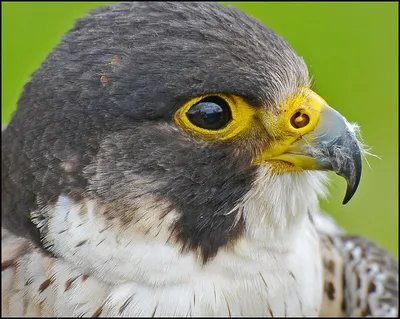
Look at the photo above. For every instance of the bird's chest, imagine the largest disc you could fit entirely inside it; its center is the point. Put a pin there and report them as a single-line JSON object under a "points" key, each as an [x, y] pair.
{"points": [[258, 283], [289, 285], [263, 284], [112, 273]]}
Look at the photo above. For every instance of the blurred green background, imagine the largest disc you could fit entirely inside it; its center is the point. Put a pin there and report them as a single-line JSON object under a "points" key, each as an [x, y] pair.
{"points": [[351, 50]]}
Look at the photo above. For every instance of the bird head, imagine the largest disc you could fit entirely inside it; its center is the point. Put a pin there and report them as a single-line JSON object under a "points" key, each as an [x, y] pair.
{"points": [[185, 112]]}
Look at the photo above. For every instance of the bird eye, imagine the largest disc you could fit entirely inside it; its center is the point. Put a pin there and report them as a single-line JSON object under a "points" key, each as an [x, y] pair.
{"points": [[211, 113], [216, 116]]}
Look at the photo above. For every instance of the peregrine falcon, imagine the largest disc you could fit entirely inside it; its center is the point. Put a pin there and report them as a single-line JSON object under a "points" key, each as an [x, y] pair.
{"points": [[166, 159]]}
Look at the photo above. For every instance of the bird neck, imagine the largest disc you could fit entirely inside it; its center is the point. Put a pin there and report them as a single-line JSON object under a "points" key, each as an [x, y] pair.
{"points": [[277, 205]]}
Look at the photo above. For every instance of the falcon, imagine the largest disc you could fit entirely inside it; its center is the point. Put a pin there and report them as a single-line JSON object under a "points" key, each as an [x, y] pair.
{"points": [[166, 159]]}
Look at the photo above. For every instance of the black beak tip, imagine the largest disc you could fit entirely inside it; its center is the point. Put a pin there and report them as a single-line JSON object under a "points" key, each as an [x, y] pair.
{"points": [[349, 194], [353, 179]]}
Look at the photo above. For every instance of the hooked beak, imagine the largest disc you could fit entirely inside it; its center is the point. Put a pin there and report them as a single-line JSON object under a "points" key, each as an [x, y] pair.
{"points": [[324, 141]]}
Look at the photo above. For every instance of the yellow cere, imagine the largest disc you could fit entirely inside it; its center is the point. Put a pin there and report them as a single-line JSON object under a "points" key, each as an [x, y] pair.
{"points": [[242, 118], [298, 116]]}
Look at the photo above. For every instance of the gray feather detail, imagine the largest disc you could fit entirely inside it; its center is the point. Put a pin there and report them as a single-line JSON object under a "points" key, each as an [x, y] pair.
{"points": [[360, 277]]}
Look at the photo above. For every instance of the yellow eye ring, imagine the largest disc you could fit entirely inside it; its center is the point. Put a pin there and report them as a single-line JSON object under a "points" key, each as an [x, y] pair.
{"points": [[241, 114]]}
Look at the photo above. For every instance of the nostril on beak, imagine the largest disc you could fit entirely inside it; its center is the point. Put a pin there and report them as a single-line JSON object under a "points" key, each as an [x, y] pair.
{"points": [[299, 120]]}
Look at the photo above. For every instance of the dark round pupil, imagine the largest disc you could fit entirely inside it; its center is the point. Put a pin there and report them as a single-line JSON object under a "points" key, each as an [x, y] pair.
{"points": [[212, 113]]}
